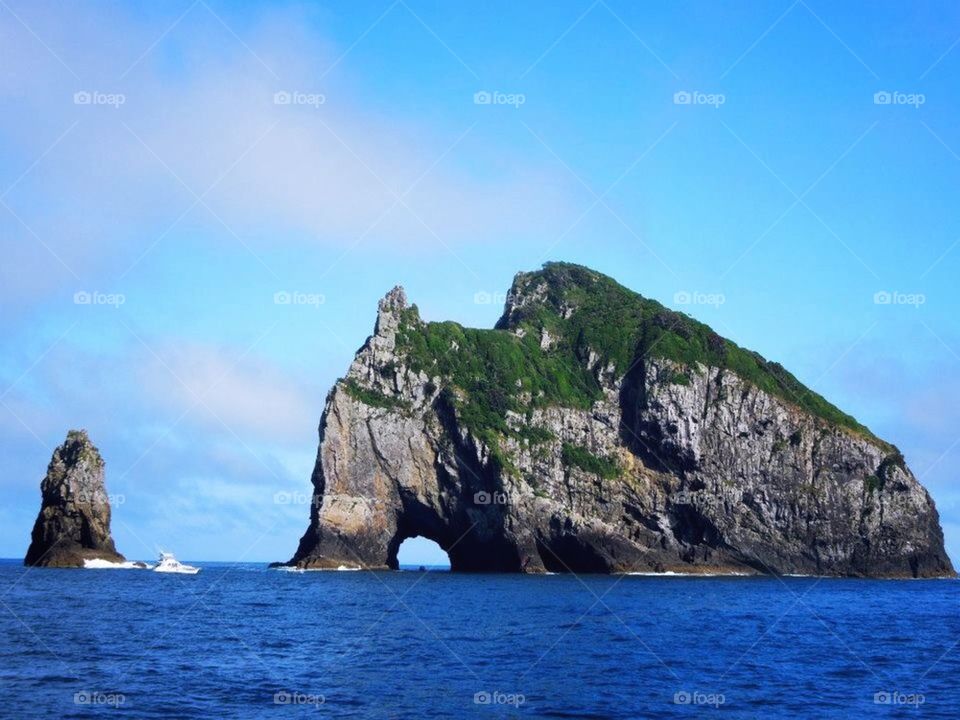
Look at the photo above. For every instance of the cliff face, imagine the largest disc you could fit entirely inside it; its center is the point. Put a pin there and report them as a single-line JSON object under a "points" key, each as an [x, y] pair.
{"points": [[596, 431], [74, 520]]}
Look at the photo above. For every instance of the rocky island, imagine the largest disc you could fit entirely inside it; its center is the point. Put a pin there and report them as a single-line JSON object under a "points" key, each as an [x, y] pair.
{"points": [[74, 520], [595, 430]]}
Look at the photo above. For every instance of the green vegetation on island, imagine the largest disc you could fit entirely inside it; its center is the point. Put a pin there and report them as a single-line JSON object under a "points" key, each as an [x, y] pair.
{"points": [[585, 314]]}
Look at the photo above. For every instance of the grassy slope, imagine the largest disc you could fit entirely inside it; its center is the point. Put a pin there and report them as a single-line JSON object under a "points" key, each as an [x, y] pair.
{"points": [[498, 371]]}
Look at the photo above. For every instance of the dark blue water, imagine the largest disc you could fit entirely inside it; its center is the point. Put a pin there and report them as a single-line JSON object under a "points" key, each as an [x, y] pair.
{"points": [[243, 641]]}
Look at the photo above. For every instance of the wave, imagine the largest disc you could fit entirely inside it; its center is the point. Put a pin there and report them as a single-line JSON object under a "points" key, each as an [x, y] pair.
{"points": [[99, 564], [294, 569]]}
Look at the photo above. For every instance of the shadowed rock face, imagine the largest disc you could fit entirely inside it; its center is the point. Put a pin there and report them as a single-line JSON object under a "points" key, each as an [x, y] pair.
{"points": [[74, 520], [596, 431]]}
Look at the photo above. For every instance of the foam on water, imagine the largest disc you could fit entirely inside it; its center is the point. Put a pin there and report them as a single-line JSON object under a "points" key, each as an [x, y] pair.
{"points": [[341, 568], [100, 564]]}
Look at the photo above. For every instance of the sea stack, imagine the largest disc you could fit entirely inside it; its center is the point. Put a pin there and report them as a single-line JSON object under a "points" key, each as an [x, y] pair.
{"points": [[74, 520], [595, 430]]}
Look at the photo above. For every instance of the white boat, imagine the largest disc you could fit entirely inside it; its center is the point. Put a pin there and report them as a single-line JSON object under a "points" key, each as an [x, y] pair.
{"points": [[169, 564]]}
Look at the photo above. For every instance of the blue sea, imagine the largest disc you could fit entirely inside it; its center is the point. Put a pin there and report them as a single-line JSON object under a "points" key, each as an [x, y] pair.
{"points": [[242, 641]]}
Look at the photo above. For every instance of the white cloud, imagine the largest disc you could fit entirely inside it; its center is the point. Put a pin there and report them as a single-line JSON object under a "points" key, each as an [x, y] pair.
{"points": [[246, 396], [199, 117]]}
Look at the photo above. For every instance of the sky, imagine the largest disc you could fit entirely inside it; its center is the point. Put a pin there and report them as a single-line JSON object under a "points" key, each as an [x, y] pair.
{"points": [[171, 173]]}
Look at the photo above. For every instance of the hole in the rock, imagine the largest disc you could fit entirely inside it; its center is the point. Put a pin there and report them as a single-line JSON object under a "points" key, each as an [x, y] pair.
{"points": [[419, 552]]}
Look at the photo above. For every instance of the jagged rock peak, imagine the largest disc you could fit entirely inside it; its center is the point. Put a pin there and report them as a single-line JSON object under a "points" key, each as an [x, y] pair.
{"points": [[394, 300], [74, 520], [389, 309], [547, 289]]}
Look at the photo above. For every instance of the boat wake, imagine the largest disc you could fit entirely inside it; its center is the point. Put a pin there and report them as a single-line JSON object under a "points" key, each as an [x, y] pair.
{"points": [[98, 564]]}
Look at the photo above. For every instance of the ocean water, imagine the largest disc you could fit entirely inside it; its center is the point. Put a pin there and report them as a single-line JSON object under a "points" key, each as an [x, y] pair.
{"points": [[242, 641]]}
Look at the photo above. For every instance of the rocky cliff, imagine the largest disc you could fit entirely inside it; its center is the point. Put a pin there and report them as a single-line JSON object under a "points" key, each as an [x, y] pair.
{"points": [[594, 430], [74, 520]]}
